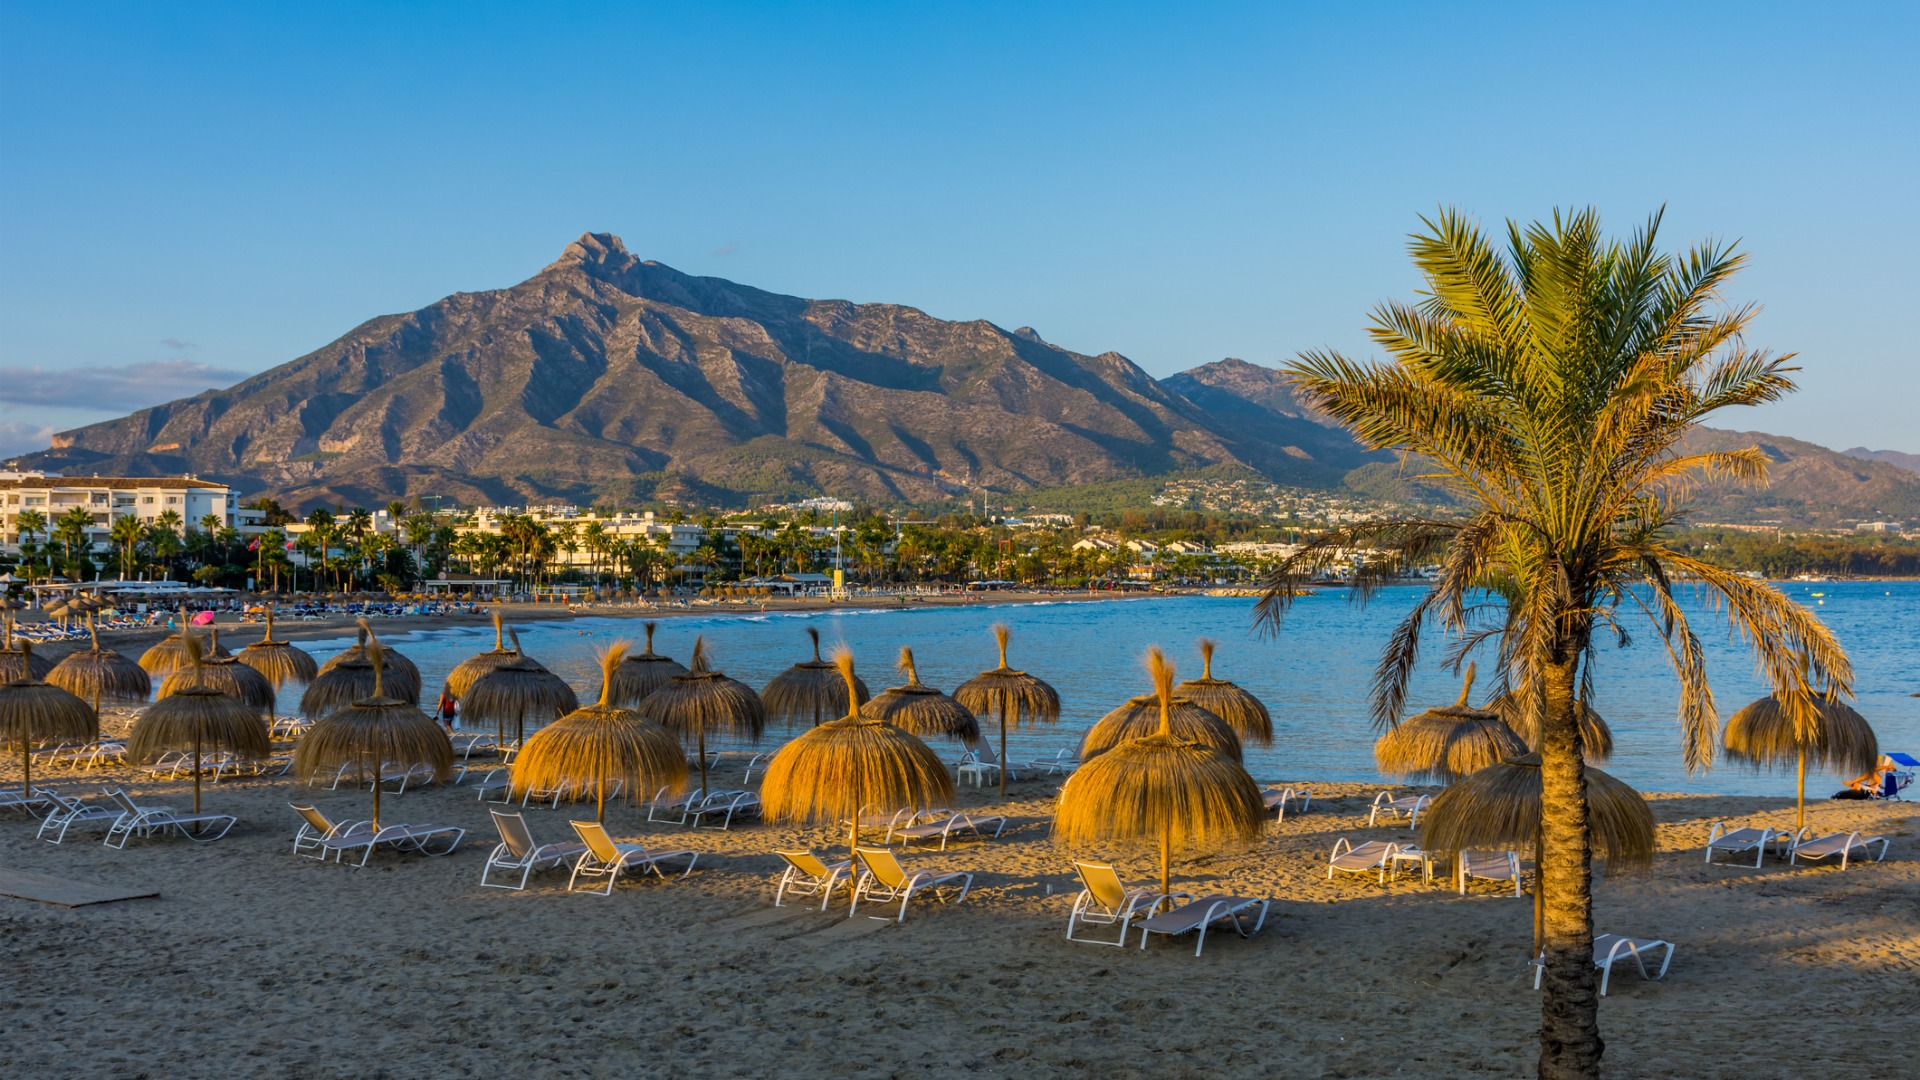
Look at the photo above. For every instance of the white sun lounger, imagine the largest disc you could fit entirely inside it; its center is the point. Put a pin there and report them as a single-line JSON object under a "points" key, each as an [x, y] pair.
{"points": [[1105, 901], [1279, 799], [1744, 841], [35, 804], [1382, 855], [1487, 866], [666, 806], [518, 851], [885, 880], [147, 820], [68, 812], [323, 836], [1063, 761], [945, 824], [1608, 948], [604, 859], [1841, 844], [1408, 806], [725, 805], [1205, 912], [808, 875]]}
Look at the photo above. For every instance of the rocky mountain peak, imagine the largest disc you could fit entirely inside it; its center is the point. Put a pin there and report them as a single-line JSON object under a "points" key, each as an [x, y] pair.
{"points": [[597, 251]]}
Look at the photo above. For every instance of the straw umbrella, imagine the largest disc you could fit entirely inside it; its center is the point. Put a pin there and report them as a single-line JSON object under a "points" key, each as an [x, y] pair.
{"points": [[377, 729], [225, 674], [1140, 717], [834, 771], [170, 653], [34, 711], [196, 715], [703, 698], [920, 709], [1764, 736], [600, 744], [470, 670], [17, 663], [811, 690], [349, 677], [1184, 794], [1012, 694], [1448, 742], [402, 677], [1596, 738], [1498, 807], [519, 690], [280, 662], [1243, 712], [641, 674], [101, 674]]}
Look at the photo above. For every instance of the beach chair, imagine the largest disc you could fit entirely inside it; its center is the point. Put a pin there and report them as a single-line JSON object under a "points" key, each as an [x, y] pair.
{"points": [[980, 766], [1382, 855], [1062, 762], [319, 834], [518, 851], [753, 763], [495, 783], [1278, 799], [1487, 866], [604, 858], [666, 806], [99, 754], [883, 879], [468, 743], [1841, 844], [227, 766], [1608, 948], [1743, 841], [318, 837], [1203, 913], [1408, 807], [1896, 772], [67, 812], [147, 820], [35, 803], [808, 875], [944, 824], [1105, 901], [725, 805]]}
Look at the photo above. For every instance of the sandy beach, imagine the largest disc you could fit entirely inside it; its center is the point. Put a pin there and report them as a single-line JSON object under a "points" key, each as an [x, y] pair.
{"points": [[254, 962]]}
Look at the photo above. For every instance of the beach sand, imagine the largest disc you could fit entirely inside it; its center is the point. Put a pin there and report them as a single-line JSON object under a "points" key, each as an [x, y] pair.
{"points": [[255, 963]]}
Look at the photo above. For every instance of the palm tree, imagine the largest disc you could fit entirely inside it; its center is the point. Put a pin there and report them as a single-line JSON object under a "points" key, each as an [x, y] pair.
{"points": [[1547, 388], [71, 530], [126, 533], [30, 523]]}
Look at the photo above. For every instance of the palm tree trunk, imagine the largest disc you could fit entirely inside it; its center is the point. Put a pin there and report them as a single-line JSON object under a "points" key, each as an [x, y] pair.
{"points": [[1570, 1044]]}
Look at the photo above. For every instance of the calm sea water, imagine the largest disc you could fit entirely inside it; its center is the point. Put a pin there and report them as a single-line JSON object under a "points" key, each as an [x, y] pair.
{"points": [[1313, 675]]}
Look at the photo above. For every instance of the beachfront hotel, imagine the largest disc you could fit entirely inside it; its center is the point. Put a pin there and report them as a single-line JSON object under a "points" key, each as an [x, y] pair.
{"points": [[107, 499]]}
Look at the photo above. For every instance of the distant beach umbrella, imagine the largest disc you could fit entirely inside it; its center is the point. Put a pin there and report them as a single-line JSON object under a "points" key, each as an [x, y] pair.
{"points": [[1181, 793], [602, 744], [811, 690], [1013, 695], [225, 674], [198, 717], [1140, 717], [281, 662], [170, 653], [1448, 742], [1240, 709], [702, 699], [641, 674], [521, 691], [34, 711], [1596, 738], [470, 670], [402, 679], [837, 770], [1764, 736], [349, 677], [17, 662], [373, 733], [98, 674], [1498, 807], [920, 709]]}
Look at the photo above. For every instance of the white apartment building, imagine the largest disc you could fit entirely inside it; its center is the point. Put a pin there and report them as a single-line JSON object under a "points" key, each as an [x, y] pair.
{"points": [[107, 499]]}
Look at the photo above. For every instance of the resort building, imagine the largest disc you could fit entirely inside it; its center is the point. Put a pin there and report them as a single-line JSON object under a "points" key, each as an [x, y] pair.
{"points": [[107, 499]]}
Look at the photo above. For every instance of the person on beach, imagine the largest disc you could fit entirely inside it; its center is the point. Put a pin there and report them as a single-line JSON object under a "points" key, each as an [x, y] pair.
{"points": [[449, 709]]}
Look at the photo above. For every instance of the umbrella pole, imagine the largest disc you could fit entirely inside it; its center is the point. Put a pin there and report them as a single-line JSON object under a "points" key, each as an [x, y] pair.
{"points": [[1539, 895], [1801, 820], [600, 795], [1166, 845], [702, 737], [196, 770], [26, 765], [1006, 702], [376, 795]]}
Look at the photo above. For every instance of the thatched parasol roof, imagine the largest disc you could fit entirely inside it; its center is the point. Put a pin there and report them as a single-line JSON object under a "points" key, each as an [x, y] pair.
{"points": [[811, 690], [15, 663], [518, 692], [280, 661], [196, 715], [376, 731], [401, 671], [1181, 793], [470, 670], [1596, 738], [1446, 743], [1010, 694], [1140, 717], [349, 677], [170, 652], [701, 700], [597, 745], [1243, 712], [920, 709], [225, 674], [834, 771], [1764, 736], [641, 674], [102, 675], [33, 711]]}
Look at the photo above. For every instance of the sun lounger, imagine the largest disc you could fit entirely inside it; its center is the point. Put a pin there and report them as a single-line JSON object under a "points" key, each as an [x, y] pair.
{"points": [[1743, 841], [754, 762], [883, 879], [1608, 948], [174, 764], [808, 875], [68, 812], [666, 806], [494, 785], [1408, 807], [288, 727], [1382, 855], [318, 835], [945, 824], [1487, 866], [1278, 799], [1063, 761], [1105, 901], [725, 805], [980, 765], [226, 766], [80, 757], [1205, 912], [1841, 844], [16, 799], [604, 858], [147, 820], [468, 743], [518, 851]]}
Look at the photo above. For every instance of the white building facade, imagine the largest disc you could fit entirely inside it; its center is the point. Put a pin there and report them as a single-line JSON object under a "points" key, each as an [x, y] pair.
{"points": [[107, 499]]}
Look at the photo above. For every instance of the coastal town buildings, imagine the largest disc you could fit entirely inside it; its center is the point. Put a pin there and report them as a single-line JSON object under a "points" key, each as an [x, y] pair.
{"points": [[47, 499]]}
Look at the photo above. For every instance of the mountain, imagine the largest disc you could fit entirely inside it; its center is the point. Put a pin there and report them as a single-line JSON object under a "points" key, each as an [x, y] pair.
{"points": [[1258, 402], [1909, 462], [608, 376]]}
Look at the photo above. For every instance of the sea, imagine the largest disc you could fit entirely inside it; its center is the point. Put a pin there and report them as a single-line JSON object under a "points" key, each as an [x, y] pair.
{"points": [[1313, 674]]}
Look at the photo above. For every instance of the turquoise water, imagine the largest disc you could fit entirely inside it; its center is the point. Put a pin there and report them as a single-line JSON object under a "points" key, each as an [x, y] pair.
{"points": [[1313, 676]]}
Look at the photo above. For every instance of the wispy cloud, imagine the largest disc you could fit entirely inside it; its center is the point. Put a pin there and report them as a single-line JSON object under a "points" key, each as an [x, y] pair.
{"points": [[178, 345], [112, 388], [726, 249], [19, 437]]}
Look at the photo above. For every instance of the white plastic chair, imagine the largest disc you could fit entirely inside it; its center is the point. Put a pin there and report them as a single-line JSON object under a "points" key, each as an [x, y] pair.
{"points": [[518, 851], [1105, 901], [1608, 948], [885, 880], [809, 875], [1408, 806]]}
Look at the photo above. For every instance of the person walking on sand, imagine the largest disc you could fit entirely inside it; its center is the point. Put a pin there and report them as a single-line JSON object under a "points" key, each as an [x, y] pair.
{"points": [[449, 708]]}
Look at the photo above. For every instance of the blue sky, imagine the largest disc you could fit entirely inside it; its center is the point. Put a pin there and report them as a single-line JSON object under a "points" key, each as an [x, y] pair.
{"points": [[186, 196]]}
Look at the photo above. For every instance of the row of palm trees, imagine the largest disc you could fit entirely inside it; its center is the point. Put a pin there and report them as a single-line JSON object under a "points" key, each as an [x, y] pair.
{"points": [[158, 546]]}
